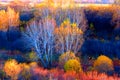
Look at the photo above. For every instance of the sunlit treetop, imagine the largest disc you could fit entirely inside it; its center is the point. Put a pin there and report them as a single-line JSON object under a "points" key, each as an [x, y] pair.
{"points": [[8, 18], [68, 28]]}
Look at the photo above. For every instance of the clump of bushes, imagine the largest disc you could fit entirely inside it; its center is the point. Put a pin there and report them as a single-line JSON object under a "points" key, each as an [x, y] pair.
{"points": [[57, 74], [32, 56], [32, 71], [12, 69], [65, 57], [73, 65], [8, 18], [26, 70], [16, 70], [103, 64]]}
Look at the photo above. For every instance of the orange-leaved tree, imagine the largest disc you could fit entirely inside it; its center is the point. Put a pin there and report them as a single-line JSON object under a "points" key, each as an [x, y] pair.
{"points": [[13, 17], [12, 69], [8, 18], [69, 37]]}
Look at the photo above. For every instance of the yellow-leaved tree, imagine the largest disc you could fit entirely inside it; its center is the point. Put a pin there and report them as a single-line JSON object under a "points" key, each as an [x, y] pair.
{"points": [[73, 65], [13, 17], [12, 69], [3, 20], [65, 57], [103, 64], [69, 37], [8, 18]]}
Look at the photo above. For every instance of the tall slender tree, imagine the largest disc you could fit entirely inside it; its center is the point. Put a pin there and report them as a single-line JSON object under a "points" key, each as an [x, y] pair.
{"points": [[69, 34], [40, 37]]}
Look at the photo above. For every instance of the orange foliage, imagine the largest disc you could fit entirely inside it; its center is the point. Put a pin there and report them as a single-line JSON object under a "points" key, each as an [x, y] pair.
{"points": [[8, 18], [13, 17], [12, 69], [114, 9], [65, 57], [60, 3], [57, 74], [68, 28], [96, 76], [102, 9], [40, 71], [103, 64], [3, 20], [70, 75], [69, 35]]}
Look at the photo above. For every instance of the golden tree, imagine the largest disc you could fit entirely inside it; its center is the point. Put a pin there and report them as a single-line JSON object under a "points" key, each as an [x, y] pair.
{"points": [[73, 65], [25, 73], [3, 20], [8, 18], [65, 57], [69, 37], [69, 34], [103, 64], [13, 17], [12, 69]]}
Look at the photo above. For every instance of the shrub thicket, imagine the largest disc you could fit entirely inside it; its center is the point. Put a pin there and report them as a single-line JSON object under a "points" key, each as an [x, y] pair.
{"points": [[65, 57], [73, 65], [103, 64]]}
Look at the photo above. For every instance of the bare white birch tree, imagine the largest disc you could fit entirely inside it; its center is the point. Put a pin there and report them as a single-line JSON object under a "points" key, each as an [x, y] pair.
{"points": [[41, 37]]}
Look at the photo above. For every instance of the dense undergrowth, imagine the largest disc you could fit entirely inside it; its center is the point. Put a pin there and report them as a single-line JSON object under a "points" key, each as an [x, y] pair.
{"points": [[64, 44]]}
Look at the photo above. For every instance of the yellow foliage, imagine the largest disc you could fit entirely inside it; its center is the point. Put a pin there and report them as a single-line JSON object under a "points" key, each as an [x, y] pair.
{"points": [[60, 3], [67, 56], [25, 71], [3, 20], [103, 64], [33, 64], [33, 56], [8, 18], [68, 28], [66, 23], [25, 66], [73, 65], [74, 25], [109, 8], [12, 68], [13, 17]]}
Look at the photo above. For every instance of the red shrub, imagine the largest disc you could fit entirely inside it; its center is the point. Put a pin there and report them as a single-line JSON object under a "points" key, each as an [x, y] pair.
{"points": [[57, 74], [71, 75], [40, 71]]}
